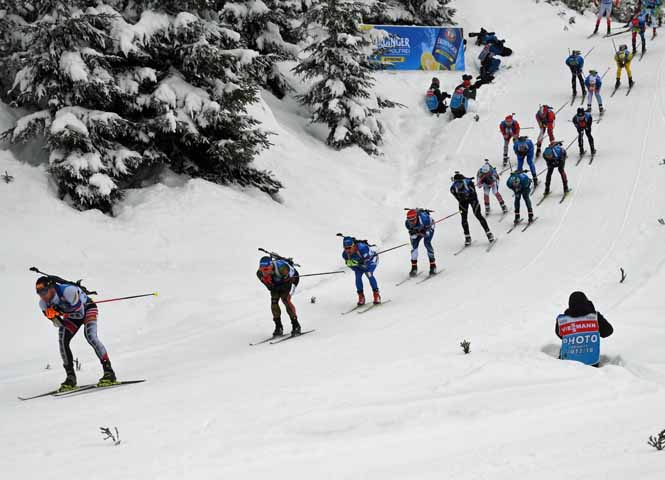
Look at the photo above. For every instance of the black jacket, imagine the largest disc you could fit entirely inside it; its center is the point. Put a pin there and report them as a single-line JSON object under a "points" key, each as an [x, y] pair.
{"points": [[578, 306]]}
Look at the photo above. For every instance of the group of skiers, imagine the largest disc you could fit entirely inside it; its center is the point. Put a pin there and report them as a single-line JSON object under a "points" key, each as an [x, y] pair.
{"points": [[435, 98]]}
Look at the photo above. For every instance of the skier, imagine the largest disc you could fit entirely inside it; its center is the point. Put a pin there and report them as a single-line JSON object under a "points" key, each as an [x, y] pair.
{"points": [[583, 121], [545, 117], [363, 260], [510, 129], [652, 10], [459, 102], [520, 183], [420, 226], [435, 99], [579, 328], [623, 58], [638, 25], [464, 191], [280, 278], [604, 10], [555, 156], [593, 84], [523, 148], [575, 62], [70, 308], [488, 178]]}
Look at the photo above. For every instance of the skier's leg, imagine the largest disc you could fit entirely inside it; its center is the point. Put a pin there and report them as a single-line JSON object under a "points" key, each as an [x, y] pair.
{"points": [[532, 167], [274, 306], [581, 79], [517, 204], [520, 161], [527, 200], [372, 280], [590, 138], [359, 281], [564, 177], [580, 140], [589, 100], [506, 143], [90, 332], [429, 247], [548, 177], [415, 242], [479, 216], [599, 99], [65, 336], [486, 197], [550, 132], [539, 142], [634, 40], [464, 214], [288, 304], [629, 72]]}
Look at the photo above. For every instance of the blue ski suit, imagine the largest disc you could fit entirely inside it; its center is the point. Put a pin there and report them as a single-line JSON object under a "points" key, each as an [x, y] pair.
{"points": [[520, 183], [363, 262], [423, 229], [576, 65], [524, 150]]}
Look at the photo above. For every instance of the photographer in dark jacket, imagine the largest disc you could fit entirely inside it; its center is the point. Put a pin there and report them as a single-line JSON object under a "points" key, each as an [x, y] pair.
{"points": [[579, 328]]}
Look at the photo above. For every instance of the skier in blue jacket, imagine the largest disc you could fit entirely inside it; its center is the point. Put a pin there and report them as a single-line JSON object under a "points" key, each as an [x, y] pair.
{"points": [[524, 149], [593, 84], [360, 257], [575, 62], [555, 156], [583, 121], [520, 183], [420, 226]]}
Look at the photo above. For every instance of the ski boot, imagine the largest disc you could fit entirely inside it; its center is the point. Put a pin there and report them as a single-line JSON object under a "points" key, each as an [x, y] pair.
{"points": [[582, 152], [535, 182], [601, 109], [361, 299], [377, 297], [617, 84], [70, 381], [630, 82], [547, 190], [593, 151], [109, 375], [487, 210], [566, 189], [279, 329], [505, 160], [530, 217], [467, 240], [517, 219], [432, 267], [414, 269], [588, 108], [490, 237], [609, 29], [538, 148], [295, 327], [595, 30], [644, 50], [504, 209]]}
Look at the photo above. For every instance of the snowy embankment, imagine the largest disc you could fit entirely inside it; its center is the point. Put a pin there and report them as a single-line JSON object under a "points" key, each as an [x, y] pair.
{"points": [[384, 395]]}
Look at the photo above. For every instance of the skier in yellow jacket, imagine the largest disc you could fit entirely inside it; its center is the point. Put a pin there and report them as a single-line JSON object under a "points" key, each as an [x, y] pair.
{"points": [[623, 58]]}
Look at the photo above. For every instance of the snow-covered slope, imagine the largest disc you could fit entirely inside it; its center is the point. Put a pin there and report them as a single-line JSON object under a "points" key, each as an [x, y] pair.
{"points": [[383, 395]]}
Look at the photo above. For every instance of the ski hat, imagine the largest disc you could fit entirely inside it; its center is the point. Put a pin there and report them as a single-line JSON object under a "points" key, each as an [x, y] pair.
{"points": [[485, 168], [578, 302], [576, 52], [623, 47], [593, 71], [435, 81], [348, 242], [44, 283], [412, 215], [265, 262], [458, 176], [523, 138], [580, 111], [509, 119]]}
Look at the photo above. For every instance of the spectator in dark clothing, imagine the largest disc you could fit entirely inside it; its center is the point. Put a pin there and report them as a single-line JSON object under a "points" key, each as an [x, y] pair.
{"points": [[435, 88], [577, 332]]}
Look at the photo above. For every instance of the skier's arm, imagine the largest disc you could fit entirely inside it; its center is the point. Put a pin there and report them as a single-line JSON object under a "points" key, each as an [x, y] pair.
{"points": [[604, 326]]}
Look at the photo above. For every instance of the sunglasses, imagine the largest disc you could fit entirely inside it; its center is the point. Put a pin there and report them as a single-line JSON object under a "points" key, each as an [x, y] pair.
{"points": [[42, 291]]}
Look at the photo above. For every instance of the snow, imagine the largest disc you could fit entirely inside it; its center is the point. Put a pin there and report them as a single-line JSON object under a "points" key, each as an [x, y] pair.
{"points": [[66, 120], [165, 94], [24, 122], [336, 87], [103, 183], [73, 66], [388, 394]]}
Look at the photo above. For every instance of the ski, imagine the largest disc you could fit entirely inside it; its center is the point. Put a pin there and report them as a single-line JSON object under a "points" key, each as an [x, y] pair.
{"points": [[573, 100], [579, 160], [582, 101], [353, 309], [614, 91], [41, 395], [592, 35], [630, 89], [371, 306], [528, 224], [591, 159], [514, 226], [542, 199], [641, 56], [95, 387], [430, 276], [463, 248], [289, 337], [491, 245], [504, 215], [563, 197], [402, 282], [265, 340]]}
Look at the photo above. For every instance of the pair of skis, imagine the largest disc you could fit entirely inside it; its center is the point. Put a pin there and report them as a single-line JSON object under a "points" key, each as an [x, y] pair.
{"points": [[630, 88], [360, 309], [563, 197], [519, 223], [81, 389], [593, 155], [280, 338], [488, 249]]}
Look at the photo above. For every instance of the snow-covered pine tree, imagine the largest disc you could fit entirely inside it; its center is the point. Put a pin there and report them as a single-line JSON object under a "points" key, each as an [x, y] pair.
{"points": [[271, 28], [429, 12], [339, 63], [117, 95]]}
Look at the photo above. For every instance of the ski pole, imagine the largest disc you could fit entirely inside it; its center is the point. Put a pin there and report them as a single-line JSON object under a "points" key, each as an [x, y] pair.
{"points": [[447, 217], [570, 144], [324, 273], [561, 108], [527, 128], [590, 50], [603, 76], [154, 294]]}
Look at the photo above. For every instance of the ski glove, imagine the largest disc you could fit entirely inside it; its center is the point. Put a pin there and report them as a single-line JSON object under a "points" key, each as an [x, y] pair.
{"points": [[352, 263], [51, 313]]}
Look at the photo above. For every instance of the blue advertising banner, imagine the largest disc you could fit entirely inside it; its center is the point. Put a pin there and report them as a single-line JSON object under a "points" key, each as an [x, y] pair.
{"points": [[421, 48]]}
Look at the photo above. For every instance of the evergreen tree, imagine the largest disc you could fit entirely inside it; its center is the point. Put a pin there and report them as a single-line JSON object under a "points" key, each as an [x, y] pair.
{"points": [[271, 28], [429, 12], [339, 63], [120, 94]]}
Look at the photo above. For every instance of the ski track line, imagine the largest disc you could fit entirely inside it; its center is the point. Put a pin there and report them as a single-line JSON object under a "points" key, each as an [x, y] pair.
{"points": [[631, 200]]}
